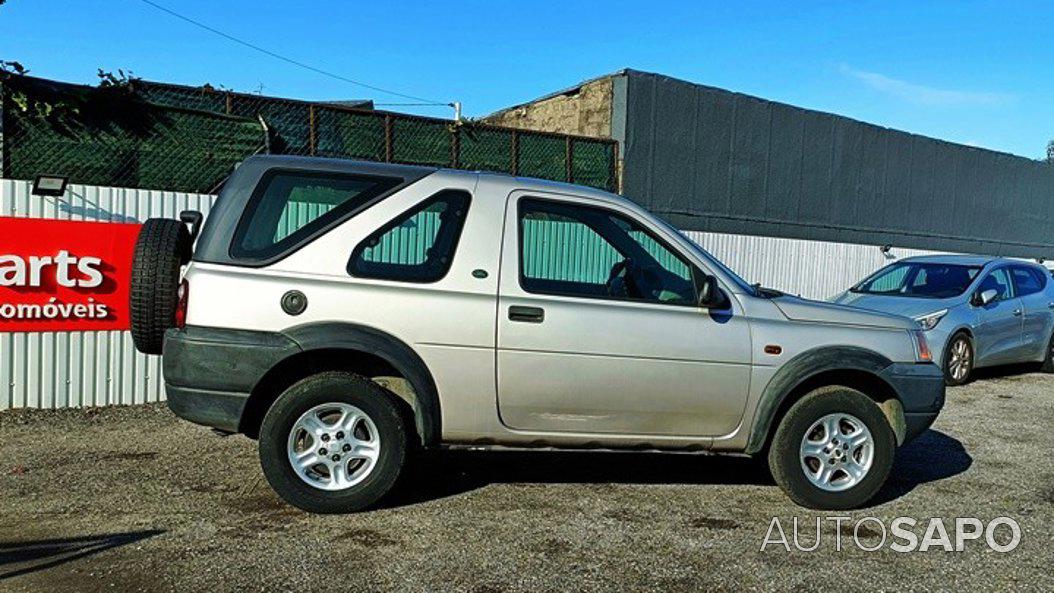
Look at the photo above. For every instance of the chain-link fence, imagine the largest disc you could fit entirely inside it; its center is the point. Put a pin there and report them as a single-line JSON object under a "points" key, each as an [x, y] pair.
{"points": [[163, 136]]}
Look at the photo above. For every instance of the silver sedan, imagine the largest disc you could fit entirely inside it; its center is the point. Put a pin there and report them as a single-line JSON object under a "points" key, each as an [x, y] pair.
{"points": [[976, 311]]}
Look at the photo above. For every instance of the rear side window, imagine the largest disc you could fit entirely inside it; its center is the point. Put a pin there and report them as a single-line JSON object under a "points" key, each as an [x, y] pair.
{"points": [[289, 208], [1028, 281], [418, 245]]}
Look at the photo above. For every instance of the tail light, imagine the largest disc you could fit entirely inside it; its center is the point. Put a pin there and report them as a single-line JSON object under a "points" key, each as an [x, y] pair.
{"points": [[181, 304]]}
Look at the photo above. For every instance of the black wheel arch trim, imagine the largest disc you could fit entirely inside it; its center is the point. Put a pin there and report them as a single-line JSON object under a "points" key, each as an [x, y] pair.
{"points": [[351, 336], [800, 369]]}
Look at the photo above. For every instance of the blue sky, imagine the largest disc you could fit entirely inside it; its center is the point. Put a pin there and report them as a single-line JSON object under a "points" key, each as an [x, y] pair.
{"points": [[972, 72]]}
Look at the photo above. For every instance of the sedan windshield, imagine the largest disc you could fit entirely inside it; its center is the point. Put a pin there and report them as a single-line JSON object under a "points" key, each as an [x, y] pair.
{"points": [[926, 280]]}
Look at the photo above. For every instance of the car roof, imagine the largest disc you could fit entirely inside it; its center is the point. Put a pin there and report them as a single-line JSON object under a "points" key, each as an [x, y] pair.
{"points": [[965, 260]]}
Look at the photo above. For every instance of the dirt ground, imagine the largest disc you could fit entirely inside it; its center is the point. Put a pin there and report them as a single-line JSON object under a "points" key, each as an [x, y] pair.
{"points": [[132, 499]]}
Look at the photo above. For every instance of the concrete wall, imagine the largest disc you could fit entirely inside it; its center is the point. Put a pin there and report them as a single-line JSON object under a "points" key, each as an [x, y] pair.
{"points": [[713, 160]]}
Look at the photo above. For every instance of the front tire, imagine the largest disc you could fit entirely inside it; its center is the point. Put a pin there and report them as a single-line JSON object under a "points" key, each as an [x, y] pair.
{"points": [[833, 450], [1048, 360], [959, 360], [333, 443]]}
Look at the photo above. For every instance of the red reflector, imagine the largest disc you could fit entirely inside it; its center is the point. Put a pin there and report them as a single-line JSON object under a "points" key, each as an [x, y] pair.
{"points": [[773, 349], [181, 305]]}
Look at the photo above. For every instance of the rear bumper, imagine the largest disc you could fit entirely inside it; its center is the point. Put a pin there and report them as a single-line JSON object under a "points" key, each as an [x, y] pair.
{"points": [[210, 373], [921, 390]]}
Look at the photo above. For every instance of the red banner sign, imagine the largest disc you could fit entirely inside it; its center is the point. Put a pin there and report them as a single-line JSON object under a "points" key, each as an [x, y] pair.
{"points": [[62, 275]]}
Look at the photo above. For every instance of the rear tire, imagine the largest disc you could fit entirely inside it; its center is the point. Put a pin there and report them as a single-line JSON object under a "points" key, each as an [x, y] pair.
{"points": [[958, 360], [372, 450], [162, 248], [833, 450]]}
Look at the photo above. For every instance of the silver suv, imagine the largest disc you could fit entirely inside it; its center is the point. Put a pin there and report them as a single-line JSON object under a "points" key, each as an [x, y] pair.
{"points": [[346, 314]]}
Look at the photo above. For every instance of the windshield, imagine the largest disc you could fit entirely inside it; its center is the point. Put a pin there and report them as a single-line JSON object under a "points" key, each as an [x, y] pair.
{"points": [[926, 280]]}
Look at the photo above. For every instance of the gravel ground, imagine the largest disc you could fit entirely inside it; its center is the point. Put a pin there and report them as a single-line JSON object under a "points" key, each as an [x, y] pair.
{"points": [[132, 499]]}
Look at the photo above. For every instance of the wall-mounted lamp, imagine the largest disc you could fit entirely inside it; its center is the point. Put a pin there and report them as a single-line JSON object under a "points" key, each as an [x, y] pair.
{"points": [[887, 252], [50, 185]]}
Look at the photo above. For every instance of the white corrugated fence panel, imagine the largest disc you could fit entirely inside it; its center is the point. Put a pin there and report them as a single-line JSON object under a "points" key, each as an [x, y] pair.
{"points": [[812, 269], [74, 369]]}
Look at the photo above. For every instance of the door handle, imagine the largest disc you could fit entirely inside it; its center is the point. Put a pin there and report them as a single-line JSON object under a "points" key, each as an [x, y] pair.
{"points": [[526, 314], [1017, 312]]}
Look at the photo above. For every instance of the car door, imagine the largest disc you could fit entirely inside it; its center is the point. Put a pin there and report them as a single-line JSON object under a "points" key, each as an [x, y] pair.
{"points": [[999, 323], [1037, 310], [588, 343]]}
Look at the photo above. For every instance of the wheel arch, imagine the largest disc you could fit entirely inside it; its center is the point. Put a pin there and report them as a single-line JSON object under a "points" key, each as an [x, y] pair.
{"points": [[849, 366], [354, 348]]}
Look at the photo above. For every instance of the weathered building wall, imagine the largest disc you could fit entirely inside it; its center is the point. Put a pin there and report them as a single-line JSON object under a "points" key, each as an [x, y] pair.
{"points": [[584, 110]]}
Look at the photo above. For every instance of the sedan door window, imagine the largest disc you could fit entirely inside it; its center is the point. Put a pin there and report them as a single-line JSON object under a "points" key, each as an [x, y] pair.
{"points": [[1028, 281], [999, 281]]}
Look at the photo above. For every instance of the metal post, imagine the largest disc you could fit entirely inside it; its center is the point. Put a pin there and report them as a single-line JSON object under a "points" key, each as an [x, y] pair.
{"points": [[3, 153], [515, 165], [311, 140], [569, 160], [455, 146], [388, 153]]}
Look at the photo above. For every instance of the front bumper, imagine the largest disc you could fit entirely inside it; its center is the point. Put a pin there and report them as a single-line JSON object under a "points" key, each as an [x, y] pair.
{"points": [[210, 372], [921, 390]]}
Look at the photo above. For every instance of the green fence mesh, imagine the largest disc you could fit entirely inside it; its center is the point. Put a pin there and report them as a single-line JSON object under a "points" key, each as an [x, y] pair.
{"points": [[163, 136]]}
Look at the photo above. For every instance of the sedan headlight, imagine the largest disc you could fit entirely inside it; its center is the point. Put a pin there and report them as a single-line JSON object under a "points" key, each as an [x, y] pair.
{"points": [[930, 321], [922, 348]]}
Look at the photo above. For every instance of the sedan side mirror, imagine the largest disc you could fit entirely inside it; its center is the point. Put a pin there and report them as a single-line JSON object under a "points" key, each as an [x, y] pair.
{"points": [[710, 295], [985, 296]]}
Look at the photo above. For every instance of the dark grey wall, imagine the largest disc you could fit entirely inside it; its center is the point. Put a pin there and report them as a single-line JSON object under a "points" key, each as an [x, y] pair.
{"points": [[712, 160]]}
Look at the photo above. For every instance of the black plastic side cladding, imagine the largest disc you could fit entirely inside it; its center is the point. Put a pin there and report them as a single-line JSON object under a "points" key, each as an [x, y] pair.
{"points": [[801, 368], [350, 336]]}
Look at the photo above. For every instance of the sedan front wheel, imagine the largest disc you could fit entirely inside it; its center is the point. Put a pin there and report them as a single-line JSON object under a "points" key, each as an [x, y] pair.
{"points": [[958, 362]]}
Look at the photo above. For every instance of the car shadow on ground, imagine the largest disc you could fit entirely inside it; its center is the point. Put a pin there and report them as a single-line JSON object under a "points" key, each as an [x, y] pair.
{"points": [[19, 558], [932, 456], [1009, 370]]}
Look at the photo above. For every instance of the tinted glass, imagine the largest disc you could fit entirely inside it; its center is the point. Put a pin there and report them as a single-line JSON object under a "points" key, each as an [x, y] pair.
{"points": [[999, 281], [418, 246], [289, 207], [926, 280], [591, 252], [1028, 281]]}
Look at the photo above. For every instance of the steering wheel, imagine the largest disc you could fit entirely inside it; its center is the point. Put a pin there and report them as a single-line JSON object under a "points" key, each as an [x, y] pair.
{"points": [[622, 280]]}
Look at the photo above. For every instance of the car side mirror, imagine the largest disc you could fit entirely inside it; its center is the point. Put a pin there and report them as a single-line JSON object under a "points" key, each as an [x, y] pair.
{"points": [[710, 295], [985, 296]]}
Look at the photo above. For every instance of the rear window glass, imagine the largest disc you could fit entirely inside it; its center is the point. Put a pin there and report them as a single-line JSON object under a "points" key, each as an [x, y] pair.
{"points": [[417, 246], [291, 207], [1028, 280]]}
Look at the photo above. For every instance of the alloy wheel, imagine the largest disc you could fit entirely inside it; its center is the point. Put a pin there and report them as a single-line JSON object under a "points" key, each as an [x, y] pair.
{"points": [[333, 446], [837, 452], [961, 360]]}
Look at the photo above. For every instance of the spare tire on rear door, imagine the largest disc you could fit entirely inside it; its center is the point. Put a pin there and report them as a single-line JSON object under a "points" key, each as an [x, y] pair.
{"points": [[164, 245]]}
